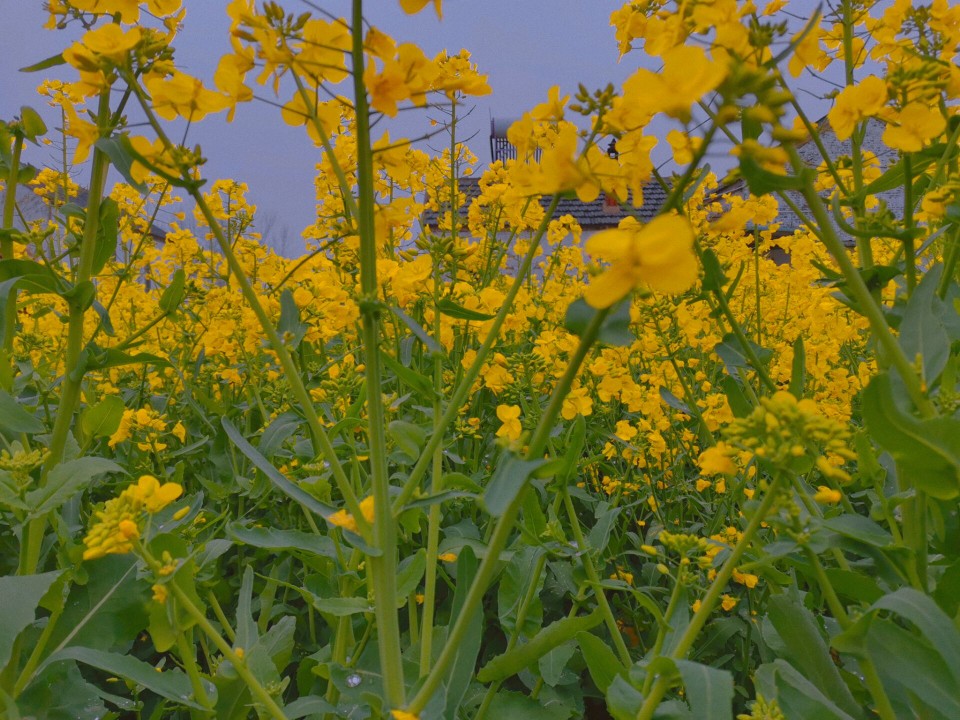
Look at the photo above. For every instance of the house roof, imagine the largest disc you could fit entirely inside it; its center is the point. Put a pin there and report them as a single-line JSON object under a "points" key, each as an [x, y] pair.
{"points": [[594, 215], [788, 220]]}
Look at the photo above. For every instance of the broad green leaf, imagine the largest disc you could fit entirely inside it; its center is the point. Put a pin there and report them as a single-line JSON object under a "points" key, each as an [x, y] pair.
{"points": [[274, 539], [451, 309], [342, 606], [930, 620], [14, 419], [109, 611], [460, 676], [119, 151], [553, 663], [859, 528], [408, 437], [914, 674], [922, 331], [19, 597], [308, 705], [103, 419], [798, 698], [409, 573], [928, 449], [517, 705], [105, 248], [522, 574], [170, 684], [61, 693], [615, 329], [713, 276], [552, 636], [66, 480], [798, 372], [807, 650], [508, 480], [602, 662], [734, 356], [279, 481], [414, 380], [290, 327], [31, 123], [709, 690], [173, 294], [762, 181], [623, 699]]}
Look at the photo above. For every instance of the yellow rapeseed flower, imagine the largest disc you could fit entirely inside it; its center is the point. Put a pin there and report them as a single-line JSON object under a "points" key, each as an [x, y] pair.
{"points": [[342, 518], [658, 255]]}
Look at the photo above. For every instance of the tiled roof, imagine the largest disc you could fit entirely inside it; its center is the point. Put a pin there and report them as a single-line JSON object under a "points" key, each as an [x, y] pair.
{"points": [[595, 215], [788, 220]]}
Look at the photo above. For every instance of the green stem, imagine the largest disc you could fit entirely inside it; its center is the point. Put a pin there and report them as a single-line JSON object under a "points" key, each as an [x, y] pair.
{"points": [[594, 579], [712, 597], [26, 675], [6, 244], [466, 383], [503, 530], [72, 379], [383, 566], [187, 655], [869, 306]]}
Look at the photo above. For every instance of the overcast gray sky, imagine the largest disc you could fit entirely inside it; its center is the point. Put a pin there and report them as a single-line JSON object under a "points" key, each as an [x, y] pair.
{"points": [[524, 45]]}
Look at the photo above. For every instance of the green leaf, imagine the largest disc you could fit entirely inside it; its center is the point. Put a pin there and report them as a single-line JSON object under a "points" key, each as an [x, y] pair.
{"points": [[290, 327], [928, 450], [284, 485], [709, 690], [713, 276], [807, 650], [797, 697], [861, 529], [66, 480], [31, 123], [105, 248], [615, 329], [170, 684], [19, 597], [432, 345], [923, 335], [508, 480], [523, 570], [103, 419], [930, 620], [553, 663], [14, 419], [282, 540], [173, 294], [409, 574], [109, 611], [460, 676], [61, 693], [602, 662], [739, 404], [552, 636], [762, 181], [408, 437], [119, 151], [342, 606], [798, 371], [623, 699], [417, 382], [49, 62], [451, 309], [516, 705], [733, 355]]}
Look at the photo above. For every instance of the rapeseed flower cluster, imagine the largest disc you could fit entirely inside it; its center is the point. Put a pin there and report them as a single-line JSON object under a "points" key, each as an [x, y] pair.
{"points": [[119, 523]]}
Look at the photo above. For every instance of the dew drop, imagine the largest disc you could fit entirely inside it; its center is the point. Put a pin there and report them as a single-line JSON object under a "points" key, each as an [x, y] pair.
{"points": [[353, 680]]}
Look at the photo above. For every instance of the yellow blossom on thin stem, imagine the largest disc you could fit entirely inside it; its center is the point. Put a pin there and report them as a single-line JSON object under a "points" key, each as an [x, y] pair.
{"points": [[342, 518]]}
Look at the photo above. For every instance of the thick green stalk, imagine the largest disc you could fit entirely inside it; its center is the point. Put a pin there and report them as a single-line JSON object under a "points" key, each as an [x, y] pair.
{"points": [[503, 530], [77, 307], [187, 655], [433, 516], [6, 243], [383, 567], [712, 597]]}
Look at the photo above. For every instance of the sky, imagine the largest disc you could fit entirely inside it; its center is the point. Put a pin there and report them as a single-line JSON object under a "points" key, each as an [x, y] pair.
{"points": [[525, 46]]}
